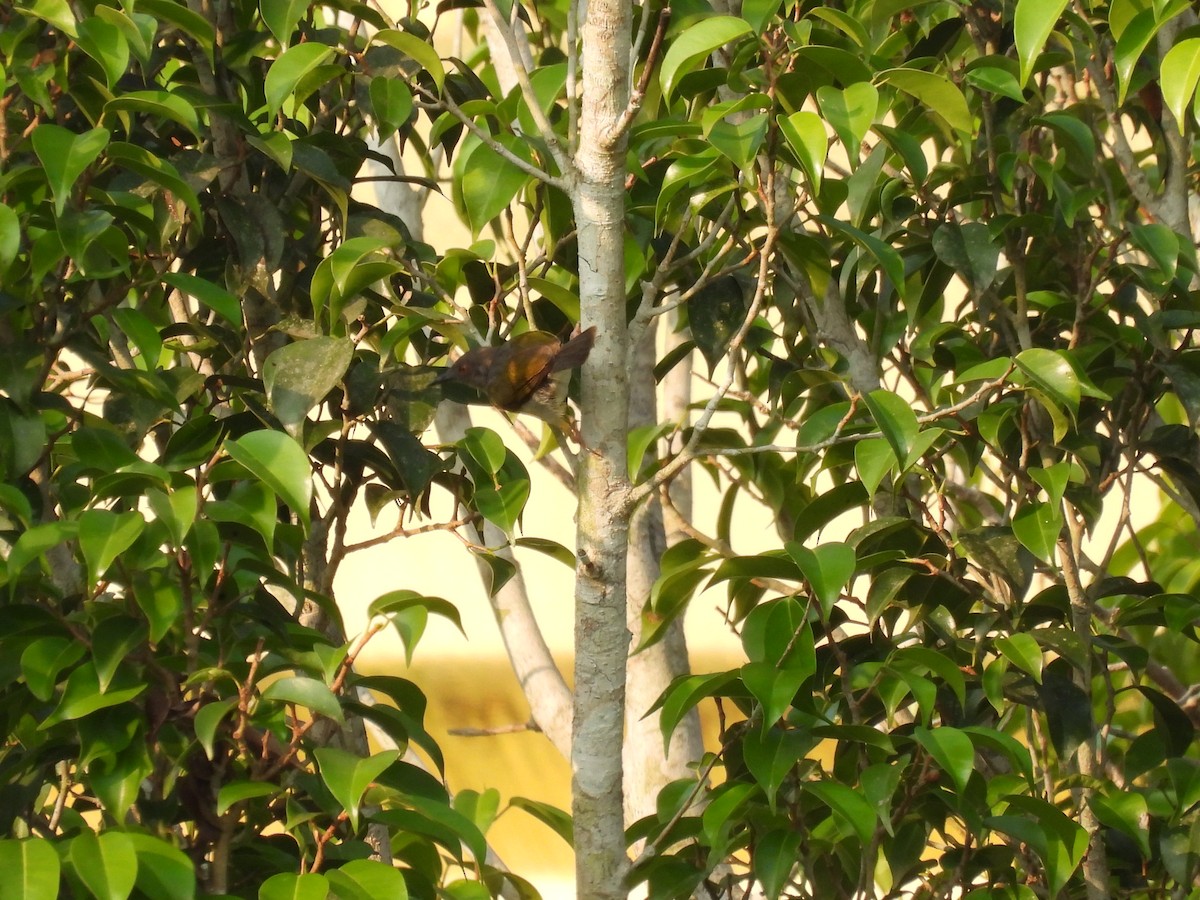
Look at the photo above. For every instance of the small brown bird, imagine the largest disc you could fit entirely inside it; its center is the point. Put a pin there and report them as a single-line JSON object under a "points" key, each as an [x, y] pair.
{"points": [[528, 374]]}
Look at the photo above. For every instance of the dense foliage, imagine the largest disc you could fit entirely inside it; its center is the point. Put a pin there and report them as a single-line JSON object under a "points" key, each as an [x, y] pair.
{"points": [[935, 266]]}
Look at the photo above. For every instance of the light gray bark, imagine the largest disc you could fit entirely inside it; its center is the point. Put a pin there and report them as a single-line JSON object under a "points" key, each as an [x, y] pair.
{"points": [[601, 636]]}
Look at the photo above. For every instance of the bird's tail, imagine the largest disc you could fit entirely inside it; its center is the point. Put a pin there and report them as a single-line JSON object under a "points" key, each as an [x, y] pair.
{"points": [[575, 351]]}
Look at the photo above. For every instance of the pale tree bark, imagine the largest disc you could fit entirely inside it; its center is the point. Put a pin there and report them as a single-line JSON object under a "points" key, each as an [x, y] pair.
{"points": [[601, 636], [648, 765]]}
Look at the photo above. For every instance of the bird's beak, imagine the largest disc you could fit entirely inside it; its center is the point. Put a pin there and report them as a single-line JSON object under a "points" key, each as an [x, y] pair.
{"points": [[447, 374]]}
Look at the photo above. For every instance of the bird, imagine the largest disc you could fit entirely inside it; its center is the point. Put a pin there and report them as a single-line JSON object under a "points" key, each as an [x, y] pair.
{"points": [[527, 374]]}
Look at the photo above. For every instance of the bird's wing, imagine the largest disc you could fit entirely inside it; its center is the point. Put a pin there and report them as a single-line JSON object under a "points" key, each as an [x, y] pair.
{"points": [[575, 351], [529, 363]]}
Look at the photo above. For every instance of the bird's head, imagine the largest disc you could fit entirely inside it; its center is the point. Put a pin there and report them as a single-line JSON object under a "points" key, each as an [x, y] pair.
{"points": [[473, 368]]}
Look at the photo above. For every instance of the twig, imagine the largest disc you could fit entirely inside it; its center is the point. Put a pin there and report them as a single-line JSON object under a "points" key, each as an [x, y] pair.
{"points": [[613, 135]]}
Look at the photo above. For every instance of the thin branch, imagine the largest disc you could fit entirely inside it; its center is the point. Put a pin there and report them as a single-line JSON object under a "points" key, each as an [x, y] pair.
{"points": [[399, 532], [531, 99], [619, 128], [492, 144]]}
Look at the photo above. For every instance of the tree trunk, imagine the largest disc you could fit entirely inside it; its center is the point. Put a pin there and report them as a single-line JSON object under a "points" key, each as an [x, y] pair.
{"points": [[601, 638]]}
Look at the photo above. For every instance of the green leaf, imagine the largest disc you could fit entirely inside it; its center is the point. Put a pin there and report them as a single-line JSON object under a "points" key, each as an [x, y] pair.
{"points": [[805, 133], [234, 792], [552, 817], [1023, 651], [160, 172], [1131, 44], [1051, 371], [306, 692], [163, 871], [951, 749], [937, 92], [392, 103], [106, 863], [281, 463], [288, 886], [771, 753], [44, 659], [896, 419], [219, 300], [29, 869], [889, 260], [1125, 811], [995, 80], [367, 879], [485, 181], [1038, 526], [851, 112], [112, 641], [873, 459], [968, 249], [300, 375], [682, 696], [776, 855], [409, 611], [281, 17], [412, 46], [55, 12], [740, 141], [694, 45], [828, 569], [159, 104], [208, 719], [289, 69], [10, 236], [105, 43], [348, 776], [65, 156], [847, 805], [104, 535], [1180, 72], [1032, 23]]}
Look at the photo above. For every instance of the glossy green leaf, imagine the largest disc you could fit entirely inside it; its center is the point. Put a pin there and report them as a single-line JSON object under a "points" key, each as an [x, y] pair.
{"points": [[694, 45], [1126, 811], [848, 807], [234, 792], [298, 376], [873, 459], [65, 156], [805, 134], [935, 91], [412, 46], [215, 298], [552, 817], [367, 879], [306, 692], [969, 250], [160, 172], [104, 535], [1023, 651], [1180, 72], [348, 776], [107, 863], [29, 869], [889, 260], [828, 569], [996, 80], [1033, 21], [105, 43], [896, 419], [851, 112], [1131, 44], [281, 463], [281, 17], [488, 182], [951, 749], [770, 754], [158, 104], [288, 886], [163, 871], [1038, 526], [289, 69], [1051, 371], [682, 696], [409, 611], [392, 103], [208, 719], [740, 141], [775, 858], [775, 684]]}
